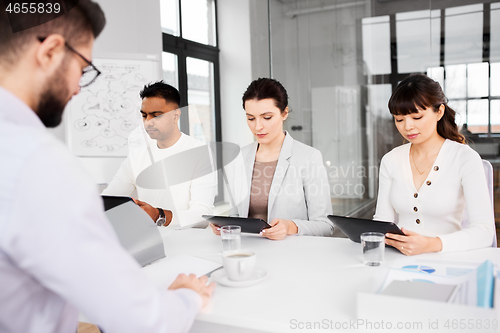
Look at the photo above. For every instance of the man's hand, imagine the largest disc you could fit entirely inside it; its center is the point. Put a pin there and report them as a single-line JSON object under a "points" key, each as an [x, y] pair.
{"points": [[193, 283], [280, 228], [153, 212]]}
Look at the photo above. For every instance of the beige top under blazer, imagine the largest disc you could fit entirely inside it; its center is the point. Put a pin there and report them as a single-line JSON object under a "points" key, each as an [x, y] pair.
{"points": [[299, 190]]}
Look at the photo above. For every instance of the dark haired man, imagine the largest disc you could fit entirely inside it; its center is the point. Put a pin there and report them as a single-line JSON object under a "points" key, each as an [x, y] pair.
{"points": [[58, 253], [181, 202]]}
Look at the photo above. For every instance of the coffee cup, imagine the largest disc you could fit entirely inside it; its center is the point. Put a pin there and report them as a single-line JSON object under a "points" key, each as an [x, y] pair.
{"points": [[239, 265]]}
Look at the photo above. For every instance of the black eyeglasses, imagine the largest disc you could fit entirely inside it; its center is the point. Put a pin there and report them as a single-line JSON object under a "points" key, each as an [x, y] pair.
{"points": [[89, 73]]}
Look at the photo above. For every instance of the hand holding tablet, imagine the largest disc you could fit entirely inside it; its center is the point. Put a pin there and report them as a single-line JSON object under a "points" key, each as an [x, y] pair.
{"points": [[354, 227], [253, 226]]}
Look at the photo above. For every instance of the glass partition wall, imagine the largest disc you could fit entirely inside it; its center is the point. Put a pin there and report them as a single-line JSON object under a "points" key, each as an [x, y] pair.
{"points": [[341, 59]]}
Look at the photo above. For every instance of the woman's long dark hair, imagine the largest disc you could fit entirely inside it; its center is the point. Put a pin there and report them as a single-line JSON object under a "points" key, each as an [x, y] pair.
{"points": [[422, 91]]}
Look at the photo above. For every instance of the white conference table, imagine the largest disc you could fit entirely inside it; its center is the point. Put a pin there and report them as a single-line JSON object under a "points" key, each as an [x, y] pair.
{"points": [[309, 279]]}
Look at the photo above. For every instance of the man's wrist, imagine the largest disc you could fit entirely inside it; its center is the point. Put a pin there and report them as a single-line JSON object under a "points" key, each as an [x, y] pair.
{"points": [[169, 215], [160, 221], [164, 217]]}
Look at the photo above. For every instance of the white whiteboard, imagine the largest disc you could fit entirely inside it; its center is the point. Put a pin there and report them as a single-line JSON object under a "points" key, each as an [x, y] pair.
{"points": [[101, 117]]}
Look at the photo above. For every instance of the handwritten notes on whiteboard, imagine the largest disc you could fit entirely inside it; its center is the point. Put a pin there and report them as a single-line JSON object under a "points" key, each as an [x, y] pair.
{"points": [[102, 115]]}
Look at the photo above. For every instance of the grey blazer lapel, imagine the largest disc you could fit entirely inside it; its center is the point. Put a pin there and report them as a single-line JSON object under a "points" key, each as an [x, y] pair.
{"points": [[249, 164], [280, 172]]}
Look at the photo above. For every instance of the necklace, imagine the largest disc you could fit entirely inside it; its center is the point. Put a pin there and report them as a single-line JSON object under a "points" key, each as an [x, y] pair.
{"points": [[420, 172]]}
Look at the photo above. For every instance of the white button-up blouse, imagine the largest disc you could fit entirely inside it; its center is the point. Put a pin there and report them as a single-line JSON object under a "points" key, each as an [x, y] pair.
{"points": [[456, 180]]}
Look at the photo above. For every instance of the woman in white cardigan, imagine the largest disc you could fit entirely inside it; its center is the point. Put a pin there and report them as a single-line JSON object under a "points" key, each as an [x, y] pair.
{"points": [[284, 181], [425, 185]]}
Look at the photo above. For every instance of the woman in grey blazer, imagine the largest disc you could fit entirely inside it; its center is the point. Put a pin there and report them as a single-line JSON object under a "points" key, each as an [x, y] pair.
{"points": [[285, 182]]}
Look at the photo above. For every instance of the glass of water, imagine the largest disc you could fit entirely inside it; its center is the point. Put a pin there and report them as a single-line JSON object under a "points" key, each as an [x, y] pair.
{"points": [[231, 237], [373, 244]]}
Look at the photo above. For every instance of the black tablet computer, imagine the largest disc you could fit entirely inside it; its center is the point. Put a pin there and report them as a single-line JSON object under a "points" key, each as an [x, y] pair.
{"points": [[111, 201], [253, 226], [354, 227]]}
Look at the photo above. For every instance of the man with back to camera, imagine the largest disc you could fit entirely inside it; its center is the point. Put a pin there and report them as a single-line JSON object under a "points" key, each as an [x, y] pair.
{"points": [[182, 156], [58, 253]]}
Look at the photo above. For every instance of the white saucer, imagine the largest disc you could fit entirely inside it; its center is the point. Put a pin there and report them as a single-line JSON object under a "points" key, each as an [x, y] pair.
{"points": [[221, 277]]}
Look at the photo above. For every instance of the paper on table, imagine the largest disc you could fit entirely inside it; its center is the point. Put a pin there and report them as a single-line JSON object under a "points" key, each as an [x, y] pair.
{"points": [[163, 272], [421, 290], [467, 284], [477, 287], [436, 266]]}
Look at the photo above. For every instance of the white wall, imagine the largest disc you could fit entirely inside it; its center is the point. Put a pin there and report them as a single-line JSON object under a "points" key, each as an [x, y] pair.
{"points": [[133, 26], [235, 68]]}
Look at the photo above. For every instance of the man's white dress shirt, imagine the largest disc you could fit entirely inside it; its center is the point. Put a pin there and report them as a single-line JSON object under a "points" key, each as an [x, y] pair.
{"points": [[456, 180], [177, 178], [58, 253]]}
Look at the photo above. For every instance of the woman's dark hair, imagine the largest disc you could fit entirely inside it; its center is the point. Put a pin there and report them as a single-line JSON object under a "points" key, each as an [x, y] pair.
{"points": [[264, 88], [422, 91]]}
